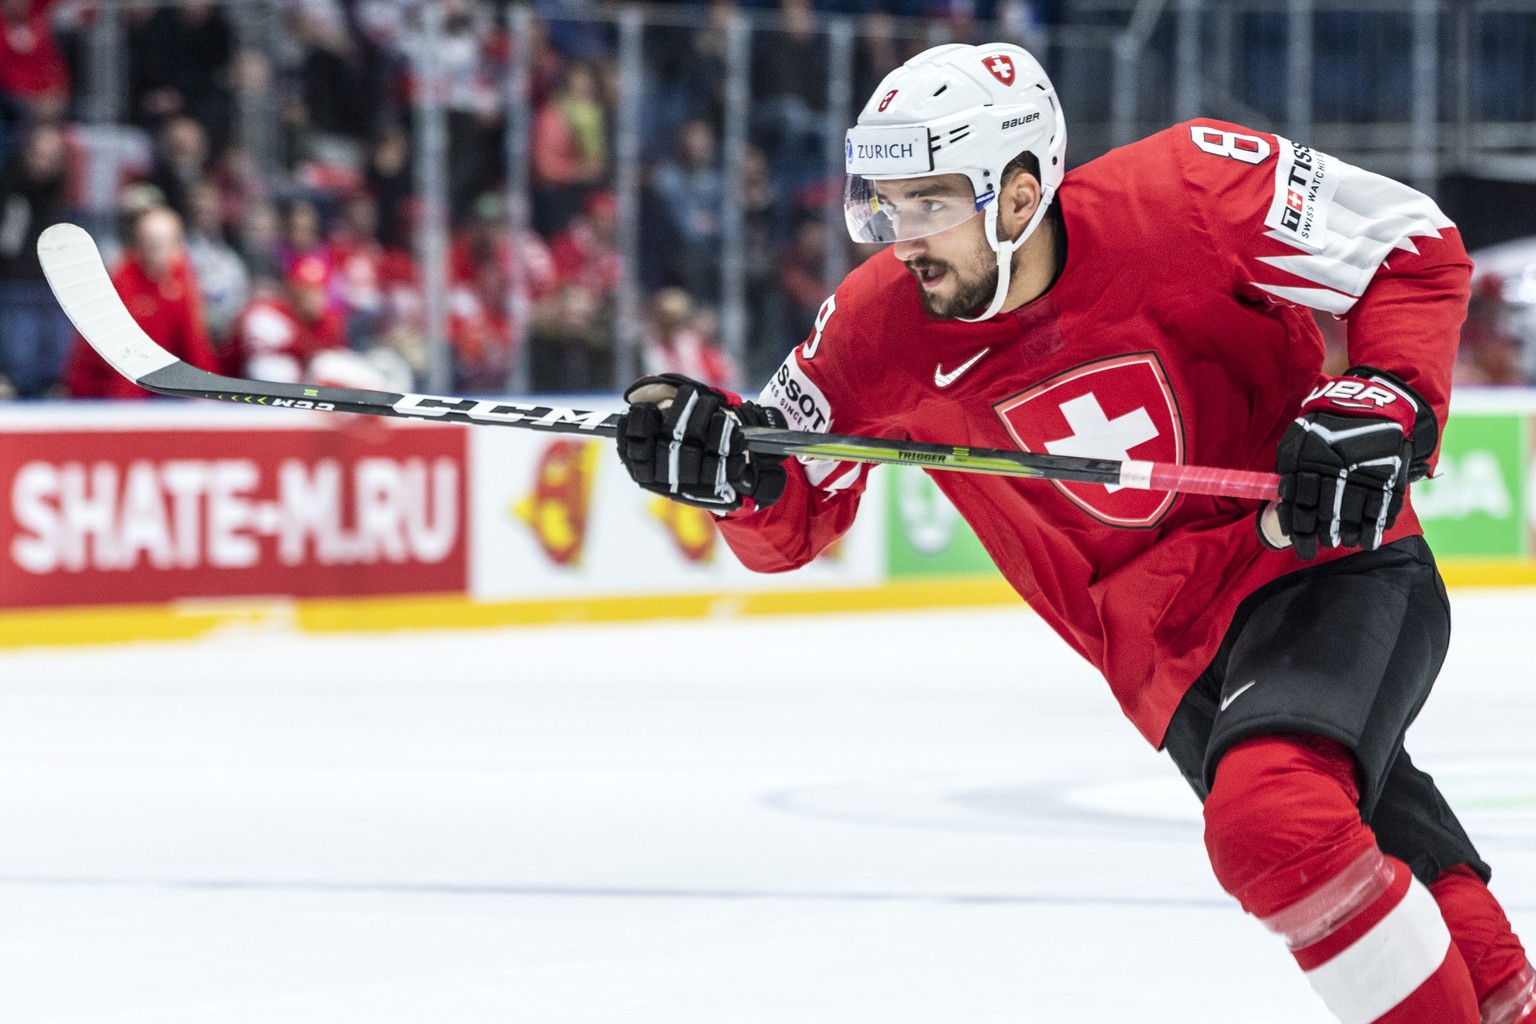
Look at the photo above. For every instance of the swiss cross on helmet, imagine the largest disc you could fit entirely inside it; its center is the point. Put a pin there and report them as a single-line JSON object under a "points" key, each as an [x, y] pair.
{"points": [[1001, 66], [952, 110]]}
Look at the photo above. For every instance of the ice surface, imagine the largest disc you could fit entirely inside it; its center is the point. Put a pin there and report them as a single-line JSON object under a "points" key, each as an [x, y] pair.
{"points": [[901, 819]]}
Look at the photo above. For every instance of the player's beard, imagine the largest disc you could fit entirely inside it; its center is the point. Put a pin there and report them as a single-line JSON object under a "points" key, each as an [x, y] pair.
{"points": [[972, 294]]}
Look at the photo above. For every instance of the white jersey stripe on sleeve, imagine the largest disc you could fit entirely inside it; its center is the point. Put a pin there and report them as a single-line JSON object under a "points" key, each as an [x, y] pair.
{"points": [[1322, 269], [1343, 223], [1313, 298]]}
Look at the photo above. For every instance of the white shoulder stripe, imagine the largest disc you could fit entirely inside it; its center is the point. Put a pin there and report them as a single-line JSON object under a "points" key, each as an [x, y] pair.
{"points": [[1313, 298], [1324, 269], [1343, 223]]}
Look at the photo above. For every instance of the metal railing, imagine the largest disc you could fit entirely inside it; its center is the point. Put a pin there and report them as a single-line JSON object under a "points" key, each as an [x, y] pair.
{"points": [[1428, 88]]}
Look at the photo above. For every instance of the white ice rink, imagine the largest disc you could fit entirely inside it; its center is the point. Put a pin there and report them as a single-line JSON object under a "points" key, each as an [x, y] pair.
{"points": [[915, 819]]}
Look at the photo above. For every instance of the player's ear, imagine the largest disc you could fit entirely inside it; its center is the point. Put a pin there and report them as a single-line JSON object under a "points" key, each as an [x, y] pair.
{"points": [[1020, 196]]}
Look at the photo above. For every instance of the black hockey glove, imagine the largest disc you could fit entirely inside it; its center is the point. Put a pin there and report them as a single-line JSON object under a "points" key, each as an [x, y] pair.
{"points": [[683, 439], [1346, 463]]}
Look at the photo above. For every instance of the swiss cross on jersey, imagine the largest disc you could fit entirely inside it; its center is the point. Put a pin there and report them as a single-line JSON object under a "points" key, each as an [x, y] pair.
{"points": [[1120, 408], [1001, 67]]}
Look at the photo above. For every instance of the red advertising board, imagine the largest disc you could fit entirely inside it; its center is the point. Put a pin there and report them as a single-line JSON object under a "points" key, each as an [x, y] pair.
{"points": [[133, 516]]}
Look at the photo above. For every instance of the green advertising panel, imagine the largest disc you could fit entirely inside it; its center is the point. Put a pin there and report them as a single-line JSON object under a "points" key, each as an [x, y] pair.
{"points": [[1475, 504], [927, 536]]}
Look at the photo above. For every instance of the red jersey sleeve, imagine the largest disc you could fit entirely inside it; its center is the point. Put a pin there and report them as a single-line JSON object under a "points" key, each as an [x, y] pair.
{"points": [[822, 496], [1306, 229]]}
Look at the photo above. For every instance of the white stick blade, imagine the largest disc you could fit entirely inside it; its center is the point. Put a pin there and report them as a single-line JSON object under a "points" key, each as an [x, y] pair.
{"points": [[80, 283]]}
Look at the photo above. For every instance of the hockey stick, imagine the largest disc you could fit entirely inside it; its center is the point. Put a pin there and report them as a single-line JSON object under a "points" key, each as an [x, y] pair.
{"points": [[82, 286]]}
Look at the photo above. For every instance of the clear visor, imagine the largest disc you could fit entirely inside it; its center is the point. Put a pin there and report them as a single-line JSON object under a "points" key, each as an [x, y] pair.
{"points": [[898, 209]]}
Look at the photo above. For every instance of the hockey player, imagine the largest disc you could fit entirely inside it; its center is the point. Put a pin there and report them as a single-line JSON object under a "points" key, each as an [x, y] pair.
{"points": [[1157, 304]]}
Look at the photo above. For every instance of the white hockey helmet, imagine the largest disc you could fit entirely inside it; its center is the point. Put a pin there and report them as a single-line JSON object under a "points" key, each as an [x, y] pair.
{"points": [[954, 109]]}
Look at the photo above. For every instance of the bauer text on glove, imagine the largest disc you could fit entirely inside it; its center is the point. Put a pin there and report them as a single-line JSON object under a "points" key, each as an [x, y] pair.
{"points": [[1346, 462]]}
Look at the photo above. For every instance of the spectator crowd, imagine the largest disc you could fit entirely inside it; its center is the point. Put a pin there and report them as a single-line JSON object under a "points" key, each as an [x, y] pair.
{"points": [[261, 208]]}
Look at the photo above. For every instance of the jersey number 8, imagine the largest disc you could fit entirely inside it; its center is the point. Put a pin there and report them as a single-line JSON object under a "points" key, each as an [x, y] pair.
{"points": [[1250, 149]]}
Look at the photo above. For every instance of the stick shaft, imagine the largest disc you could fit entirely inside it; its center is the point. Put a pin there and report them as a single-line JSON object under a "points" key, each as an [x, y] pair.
{"points": [[83, 288]]}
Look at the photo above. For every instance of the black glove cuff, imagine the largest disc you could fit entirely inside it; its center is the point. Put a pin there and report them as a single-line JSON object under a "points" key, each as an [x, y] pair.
{"points": [[1426, 426], [753, 415]]}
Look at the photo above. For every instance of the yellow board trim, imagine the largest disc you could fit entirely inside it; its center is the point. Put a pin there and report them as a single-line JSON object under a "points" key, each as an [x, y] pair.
{"points": [[1491, 572], [193, 619], [189, 620]]}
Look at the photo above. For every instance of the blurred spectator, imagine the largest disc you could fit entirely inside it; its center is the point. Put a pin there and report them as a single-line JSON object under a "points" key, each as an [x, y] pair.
{"points": [[259, 96], [688, 76], [483, 240], [789, 89], [693, 191], [336, 72], [357, 260], [569, 149], [876, 51], [388, 177], [469, 94], [133, 201], [181, 158], [241, 187], [302, 236], [404, 319], [675, 342], [1506, 86], [584, 253], [32, 69], [481, 332], [802, 276], [281, 331], [261, 241], [157, 284], [570, 32], [569, 344], [34, 332], [179, 58], [222, 279], [761, 213], [1491, 350]]}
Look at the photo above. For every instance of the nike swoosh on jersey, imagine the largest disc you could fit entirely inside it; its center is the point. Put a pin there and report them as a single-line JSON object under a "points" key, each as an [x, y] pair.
{"points": [[944, 380], [1226, 701]]}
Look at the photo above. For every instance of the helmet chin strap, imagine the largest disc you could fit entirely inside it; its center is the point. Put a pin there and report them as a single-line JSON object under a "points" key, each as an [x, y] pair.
{"points": [[1005, 251]]}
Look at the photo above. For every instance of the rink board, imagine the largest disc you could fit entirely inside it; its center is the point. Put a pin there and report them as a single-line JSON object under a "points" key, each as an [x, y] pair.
{"points": [[162, 520]]}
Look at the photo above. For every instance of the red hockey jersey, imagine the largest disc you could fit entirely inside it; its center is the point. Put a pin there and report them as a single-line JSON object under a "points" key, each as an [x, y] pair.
{"points": [[1176, 332]]}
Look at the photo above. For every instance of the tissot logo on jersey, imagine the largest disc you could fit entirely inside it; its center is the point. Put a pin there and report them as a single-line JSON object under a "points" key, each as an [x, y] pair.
{"points": [[1304, 189], [1119, 408], [804, 406], [1298, 184]]}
